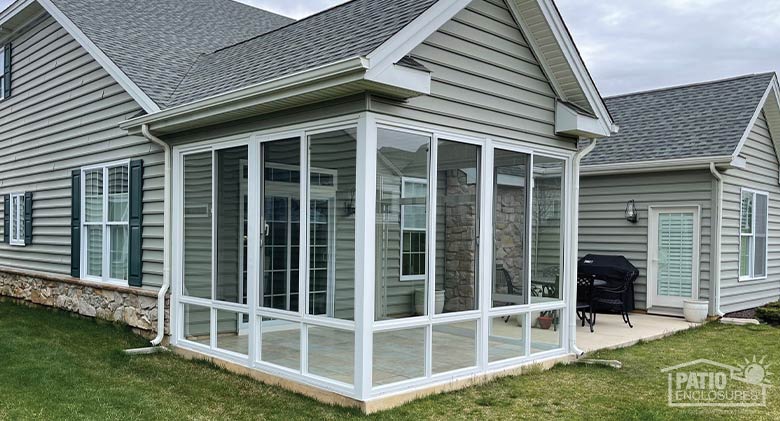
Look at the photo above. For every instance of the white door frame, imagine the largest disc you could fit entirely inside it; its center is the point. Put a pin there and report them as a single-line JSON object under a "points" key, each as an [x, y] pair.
{"points": [[652, 255]]}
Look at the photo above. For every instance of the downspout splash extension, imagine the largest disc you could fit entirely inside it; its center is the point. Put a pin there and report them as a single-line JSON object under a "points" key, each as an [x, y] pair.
{"points": [[575, 244]]}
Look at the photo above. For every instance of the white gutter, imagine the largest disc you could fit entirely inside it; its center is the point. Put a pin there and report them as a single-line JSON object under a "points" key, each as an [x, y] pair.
{"points": [[654, 166], [715, 267], [575, 245], [166, 235]]}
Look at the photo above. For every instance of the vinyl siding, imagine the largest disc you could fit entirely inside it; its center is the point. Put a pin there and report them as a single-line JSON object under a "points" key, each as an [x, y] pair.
{"points": [[603, 228], [64, 114], [761, 173], [485, 79]]}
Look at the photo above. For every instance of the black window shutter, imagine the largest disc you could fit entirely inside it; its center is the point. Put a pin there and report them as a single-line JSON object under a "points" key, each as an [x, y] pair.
{"points": [[28, 226], [7, 70], [136, 222], [7, 219], [75, 225]]}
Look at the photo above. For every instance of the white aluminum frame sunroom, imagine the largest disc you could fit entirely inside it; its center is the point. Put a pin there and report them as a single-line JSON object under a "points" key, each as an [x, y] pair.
{"points": [[493, 232]]}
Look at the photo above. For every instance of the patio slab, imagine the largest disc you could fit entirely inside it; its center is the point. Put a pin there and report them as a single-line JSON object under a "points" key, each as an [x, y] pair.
{"points": [[611, 332]]}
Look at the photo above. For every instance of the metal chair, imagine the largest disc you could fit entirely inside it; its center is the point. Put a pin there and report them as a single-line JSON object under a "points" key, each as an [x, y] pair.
{"points": [[612, 295], [504, 278], [585, 300]]}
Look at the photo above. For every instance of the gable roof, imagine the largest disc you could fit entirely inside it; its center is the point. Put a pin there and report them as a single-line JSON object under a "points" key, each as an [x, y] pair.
{"points": [[349, 30], [700, 120], [155, 42]]}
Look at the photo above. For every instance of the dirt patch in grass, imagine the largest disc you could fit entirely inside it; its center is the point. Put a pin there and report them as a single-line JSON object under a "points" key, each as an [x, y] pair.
{"points": [[744, 314]]}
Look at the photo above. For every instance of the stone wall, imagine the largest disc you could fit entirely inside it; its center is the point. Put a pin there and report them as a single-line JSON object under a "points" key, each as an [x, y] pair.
{"points": [[134, 307]]}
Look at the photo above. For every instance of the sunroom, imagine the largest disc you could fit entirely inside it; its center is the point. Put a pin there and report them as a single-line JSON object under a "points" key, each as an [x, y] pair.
{"points": [[371, 256]]}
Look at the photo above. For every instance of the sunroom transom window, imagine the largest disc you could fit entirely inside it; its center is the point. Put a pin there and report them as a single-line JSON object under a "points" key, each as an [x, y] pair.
{"points": [[105, 221], [753, 232]]}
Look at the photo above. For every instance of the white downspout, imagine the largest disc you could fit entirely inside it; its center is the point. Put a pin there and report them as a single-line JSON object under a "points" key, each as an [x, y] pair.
{"points": [[575, 245], [166, 235], [715, 271]]}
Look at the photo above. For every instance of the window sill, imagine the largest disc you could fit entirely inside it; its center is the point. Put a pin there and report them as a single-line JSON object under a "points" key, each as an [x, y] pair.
{"points": [[412, 278], [747, 279], [17, 244]]}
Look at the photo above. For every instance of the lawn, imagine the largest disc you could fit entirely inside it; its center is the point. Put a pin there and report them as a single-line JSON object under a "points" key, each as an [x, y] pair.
{"points": [[58, 366]]}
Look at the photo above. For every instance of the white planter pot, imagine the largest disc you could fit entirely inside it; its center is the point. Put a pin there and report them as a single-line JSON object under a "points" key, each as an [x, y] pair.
{"points": [[695, 311], [419, 302]]}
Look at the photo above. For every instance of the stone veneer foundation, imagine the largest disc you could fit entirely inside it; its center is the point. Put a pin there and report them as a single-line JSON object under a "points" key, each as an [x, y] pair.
{"points": [[135, 307]]}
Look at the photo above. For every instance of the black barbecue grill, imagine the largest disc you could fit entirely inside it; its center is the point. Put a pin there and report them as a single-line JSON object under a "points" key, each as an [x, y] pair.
{"points": [[606, 284]]}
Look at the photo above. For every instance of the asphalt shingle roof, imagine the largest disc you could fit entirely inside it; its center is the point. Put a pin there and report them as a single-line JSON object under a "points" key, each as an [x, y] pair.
{"points": [[180, 51], [155, 42], [349, 30], [700, 120]]}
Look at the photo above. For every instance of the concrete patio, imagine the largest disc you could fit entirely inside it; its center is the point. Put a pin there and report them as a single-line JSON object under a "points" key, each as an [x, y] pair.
{"points": [[610, 332]]}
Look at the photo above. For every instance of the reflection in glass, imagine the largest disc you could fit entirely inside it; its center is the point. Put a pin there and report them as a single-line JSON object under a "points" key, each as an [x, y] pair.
{"points": [[231, 235], [399, 355], [281, 224], [230, 335], [280, 343], [547, 229], [198, 209], [510, 204], [545, 331], [332, 172], [506, 338], [401, 195], [454, 346], [332, 353], [457, 226], [197, 324]]}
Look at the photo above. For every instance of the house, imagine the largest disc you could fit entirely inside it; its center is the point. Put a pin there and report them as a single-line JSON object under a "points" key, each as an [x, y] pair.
{"points": [[310, 202], [700, 165]]}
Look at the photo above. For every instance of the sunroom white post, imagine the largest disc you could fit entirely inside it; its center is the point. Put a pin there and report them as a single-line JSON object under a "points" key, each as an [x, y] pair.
{"points": [[253, 247], [486, 252], [365, 240]]}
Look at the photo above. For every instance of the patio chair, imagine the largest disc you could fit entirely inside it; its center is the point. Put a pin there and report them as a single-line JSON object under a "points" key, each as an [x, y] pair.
{"points": [[612, 295], [585, 300], [504, 278]]}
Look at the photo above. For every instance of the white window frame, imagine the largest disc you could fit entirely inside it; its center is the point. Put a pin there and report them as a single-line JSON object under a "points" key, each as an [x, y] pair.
{"points": [[104, 223], [16, 214], [752, 236], [404, 229]]}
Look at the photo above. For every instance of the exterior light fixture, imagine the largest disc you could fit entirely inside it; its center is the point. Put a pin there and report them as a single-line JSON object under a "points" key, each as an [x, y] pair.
{"points": [[631, 213]]}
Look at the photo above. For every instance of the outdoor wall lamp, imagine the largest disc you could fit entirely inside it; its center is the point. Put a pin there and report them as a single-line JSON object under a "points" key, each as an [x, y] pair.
{"points": [[631, 213]]}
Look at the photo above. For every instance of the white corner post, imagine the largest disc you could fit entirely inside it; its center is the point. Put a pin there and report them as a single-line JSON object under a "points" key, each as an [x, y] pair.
{"points": [[574, 246], [365, 233]]}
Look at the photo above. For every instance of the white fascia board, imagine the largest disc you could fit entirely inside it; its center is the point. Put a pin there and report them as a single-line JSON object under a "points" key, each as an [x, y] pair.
{"points": [[135, 92], [403, 77], [569, 121], [412, 35], [656, 166], [353, 69], [575, 61]]}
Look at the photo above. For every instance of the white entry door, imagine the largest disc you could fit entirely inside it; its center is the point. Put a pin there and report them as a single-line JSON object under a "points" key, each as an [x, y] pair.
{"points": [[673, 256]]}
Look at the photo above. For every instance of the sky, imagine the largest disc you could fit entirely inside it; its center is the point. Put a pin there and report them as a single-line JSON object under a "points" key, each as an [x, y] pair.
{"points": [[633, 45]]}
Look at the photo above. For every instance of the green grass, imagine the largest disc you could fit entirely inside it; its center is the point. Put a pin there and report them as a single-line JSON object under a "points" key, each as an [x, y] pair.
{"points": [[57, 366]]}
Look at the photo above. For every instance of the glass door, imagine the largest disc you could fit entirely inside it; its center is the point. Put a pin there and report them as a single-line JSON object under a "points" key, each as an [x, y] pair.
{"points": [[674, 266]]}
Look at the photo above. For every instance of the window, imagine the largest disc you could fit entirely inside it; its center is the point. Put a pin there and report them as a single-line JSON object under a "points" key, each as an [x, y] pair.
{"points": [[753, 235], [5, 71], [413, 228], [16, 215], [105, 221]]}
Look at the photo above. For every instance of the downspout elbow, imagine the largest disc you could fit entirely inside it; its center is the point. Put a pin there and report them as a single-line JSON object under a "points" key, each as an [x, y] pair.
{"points": [[166, 234], [575, 244]]}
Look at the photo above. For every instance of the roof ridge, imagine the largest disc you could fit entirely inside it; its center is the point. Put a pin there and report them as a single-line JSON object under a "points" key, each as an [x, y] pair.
{"points": [[283, 26], [690, 85]]}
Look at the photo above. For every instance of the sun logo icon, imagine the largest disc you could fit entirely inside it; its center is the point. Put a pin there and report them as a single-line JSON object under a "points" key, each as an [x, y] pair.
{"points": [[756, 371]]}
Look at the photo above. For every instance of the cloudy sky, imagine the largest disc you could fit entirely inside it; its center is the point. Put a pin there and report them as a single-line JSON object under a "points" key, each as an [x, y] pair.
{"points": [[632, 45]]}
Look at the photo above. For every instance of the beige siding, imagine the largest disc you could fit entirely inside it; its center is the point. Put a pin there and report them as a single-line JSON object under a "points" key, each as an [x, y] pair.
{"points": [[761, 174], [604, 229], [64, 114], [485, 78]]}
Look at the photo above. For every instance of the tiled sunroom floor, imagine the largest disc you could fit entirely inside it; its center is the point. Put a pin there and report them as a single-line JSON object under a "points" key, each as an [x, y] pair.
{"points": [[399, 355]]}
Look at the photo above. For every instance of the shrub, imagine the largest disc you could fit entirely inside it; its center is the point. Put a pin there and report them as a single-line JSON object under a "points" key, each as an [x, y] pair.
{"points": [[769, 313]]}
